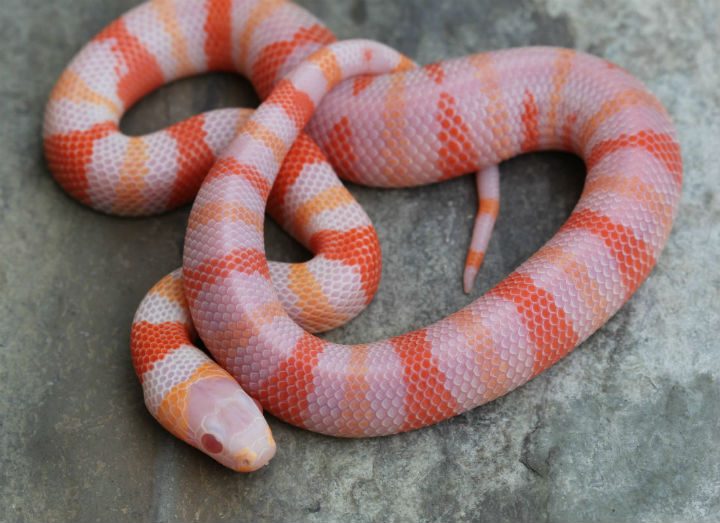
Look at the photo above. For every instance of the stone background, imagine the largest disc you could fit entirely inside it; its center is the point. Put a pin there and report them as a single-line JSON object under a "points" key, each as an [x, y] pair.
{"points": [[626, 428]]}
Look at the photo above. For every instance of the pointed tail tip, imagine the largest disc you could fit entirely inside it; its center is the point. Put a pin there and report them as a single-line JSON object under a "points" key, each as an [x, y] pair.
{"points": [[469, 278], [472, 266]]}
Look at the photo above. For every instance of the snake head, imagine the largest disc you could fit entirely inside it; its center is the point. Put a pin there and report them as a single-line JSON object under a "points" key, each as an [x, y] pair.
{"points": [[228, 425]]}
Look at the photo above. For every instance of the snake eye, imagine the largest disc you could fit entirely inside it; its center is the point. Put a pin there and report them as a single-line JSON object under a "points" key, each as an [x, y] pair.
{"points": [[211, 443]]}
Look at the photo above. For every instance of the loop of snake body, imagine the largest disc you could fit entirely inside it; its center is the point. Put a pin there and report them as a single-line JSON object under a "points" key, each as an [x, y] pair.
{"points": [[393, 125]]}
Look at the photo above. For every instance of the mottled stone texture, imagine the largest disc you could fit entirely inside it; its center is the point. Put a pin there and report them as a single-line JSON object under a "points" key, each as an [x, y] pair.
{"points": [[626, 428]]}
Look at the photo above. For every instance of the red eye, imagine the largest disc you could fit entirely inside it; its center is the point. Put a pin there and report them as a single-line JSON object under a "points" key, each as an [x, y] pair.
{"points": [[211, 443]]}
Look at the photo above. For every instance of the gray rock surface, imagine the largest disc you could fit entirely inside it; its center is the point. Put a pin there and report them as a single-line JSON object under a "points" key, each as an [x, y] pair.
{"points": [[626, 428]]}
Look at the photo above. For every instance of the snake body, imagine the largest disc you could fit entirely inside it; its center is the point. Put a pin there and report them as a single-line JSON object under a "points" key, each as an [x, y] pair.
{"points": [[395, 125]]}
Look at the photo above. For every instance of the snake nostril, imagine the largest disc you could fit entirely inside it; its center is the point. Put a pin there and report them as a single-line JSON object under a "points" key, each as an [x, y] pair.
{"points": [[211, 443]]}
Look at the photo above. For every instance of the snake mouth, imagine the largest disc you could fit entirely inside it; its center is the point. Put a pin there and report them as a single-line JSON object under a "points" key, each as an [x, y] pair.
{"points": [[245, 460], [250, 457], [254, 461]]}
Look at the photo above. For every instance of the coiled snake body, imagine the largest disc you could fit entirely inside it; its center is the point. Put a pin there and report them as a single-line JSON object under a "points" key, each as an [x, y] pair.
{"points": [[396, 125]]}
